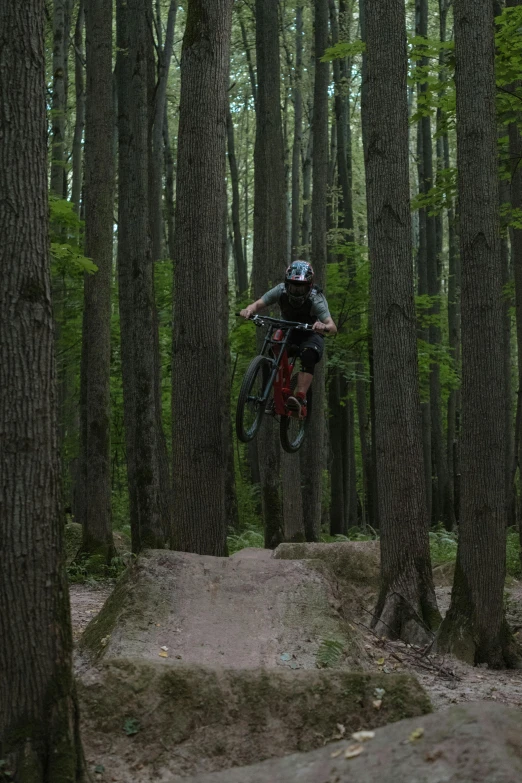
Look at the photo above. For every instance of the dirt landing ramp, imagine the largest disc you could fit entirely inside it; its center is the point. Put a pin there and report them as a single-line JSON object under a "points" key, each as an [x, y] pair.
{"points": [[248, 611], [159, 721], [479, 742]]}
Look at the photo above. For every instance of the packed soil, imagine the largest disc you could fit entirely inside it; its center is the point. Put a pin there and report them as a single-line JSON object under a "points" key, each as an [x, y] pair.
{"points": [[248, 614], [476, 743]]}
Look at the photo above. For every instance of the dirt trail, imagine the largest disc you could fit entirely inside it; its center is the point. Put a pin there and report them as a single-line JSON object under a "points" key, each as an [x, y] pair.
{"points": [[176, 620], [243, 612]]}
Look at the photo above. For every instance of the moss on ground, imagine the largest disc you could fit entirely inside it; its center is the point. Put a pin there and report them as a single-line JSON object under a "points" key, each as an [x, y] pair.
{"points": [[217, 719]]}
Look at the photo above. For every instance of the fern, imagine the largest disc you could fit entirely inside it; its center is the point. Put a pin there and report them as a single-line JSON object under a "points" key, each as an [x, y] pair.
{"points": [[329, 653]]}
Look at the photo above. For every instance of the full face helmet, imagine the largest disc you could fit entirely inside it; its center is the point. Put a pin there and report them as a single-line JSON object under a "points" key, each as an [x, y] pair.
{"points": [[299, 279]]}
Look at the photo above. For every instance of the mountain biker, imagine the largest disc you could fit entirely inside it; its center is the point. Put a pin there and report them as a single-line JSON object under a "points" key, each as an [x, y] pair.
{"points": [[299, 300]]}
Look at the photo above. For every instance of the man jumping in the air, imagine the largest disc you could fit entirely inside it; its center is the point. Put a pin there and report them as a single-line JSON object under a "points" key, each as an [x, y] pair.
{"points": [[299, 300]]}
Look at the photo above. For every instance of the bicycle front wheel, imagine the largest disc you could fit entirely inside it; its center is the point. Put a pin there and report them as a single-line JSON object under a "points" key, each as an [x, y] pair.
{"points": [[250, 410]]}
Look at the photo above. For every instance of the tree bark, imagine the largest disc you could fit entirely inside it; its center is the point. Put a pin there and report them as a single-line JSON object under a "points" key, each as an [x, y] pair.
{"points": [[39, 722], [200, 403], [59, 99], [337, 504], [157, 99], [475, 628], [240, 260], [95, 366], [79, 125], [515, 155], [312, 452], [298, 131], [135, 273], [406, 606], [269, 259]]}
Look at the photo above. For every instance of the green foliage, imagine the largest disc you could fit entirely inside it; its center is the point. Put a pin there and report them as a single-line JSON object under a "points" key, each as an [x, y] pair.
{"points": [[443, 546], [440, 197], [513, 565], [66, 227], [251, 536], [93, 569], [343, 49], [131, 726], [329, 653], [509, 63]]}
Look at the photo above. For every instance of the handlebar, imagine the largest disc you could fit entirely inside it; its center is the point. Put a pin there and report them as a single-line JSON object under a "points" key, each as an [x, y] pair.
{"points": [[262, 320]]}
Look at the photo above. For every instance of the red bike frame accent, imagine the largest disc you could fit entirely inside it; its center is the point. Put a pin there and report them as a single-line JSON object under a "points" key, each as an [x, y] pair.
{"points": [[281, 388]]}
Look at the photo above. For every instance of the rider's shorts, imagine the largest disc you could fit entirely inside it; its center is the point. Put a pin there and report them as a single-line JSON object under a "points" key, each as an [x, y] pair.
{"points": [[303, 340]]}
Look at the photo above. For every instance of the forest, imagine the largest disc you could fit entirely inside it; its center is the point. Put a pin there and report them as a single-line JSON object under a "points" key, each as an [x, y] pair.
{"points": [[162, 164]]}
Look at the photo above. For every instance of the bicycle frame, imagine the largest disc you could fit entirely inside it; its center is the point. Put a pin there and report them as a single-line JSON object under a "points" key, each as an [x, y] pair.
{"points": [[274, 348]]}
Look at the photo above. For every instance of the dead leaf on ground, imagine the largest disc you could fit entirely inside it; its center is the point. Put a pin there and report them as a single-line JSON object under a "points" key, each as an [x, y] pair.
{"points": [[363, 736], [163, 654], [416, 735], [352, 751]]}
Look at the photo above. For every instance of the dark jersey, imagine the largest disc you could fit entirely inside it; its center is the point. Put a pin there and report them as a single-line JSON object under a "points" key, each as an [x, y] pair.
{"points": [[315, 308]]}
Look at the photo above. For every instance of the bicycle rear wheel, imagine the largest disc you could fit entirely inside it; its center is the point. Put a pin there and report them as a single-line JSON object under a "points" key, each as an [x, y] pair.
{"points": [[249, 411], [292, 430]]}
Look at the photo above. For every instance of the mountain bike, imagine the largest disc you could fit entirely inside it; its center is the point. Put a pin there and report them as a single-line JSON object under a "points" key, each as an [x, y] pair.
{"points": [[273, 371]]}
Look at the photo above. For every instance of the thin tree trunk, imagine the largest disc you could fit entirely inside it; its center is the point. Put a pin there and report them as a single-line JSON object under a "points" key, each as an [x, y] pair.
{"points": [[136, 294], [240, 260], [306, 230], [337, 503], [246, 46], [99, 197], [200, 416], [39, 721], [475, 628], [79, 125], [169, 184], [312, 453], [269, 233], [515, 155], [406, 603], [298, 131], [157, 99], [59, 99]]}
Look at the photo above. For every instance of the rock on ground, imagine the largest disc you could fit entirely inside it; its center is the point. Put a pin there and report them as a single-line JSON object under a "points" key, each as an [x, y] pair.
{"points": [[247, 611], [473, 743], [147, 721]]}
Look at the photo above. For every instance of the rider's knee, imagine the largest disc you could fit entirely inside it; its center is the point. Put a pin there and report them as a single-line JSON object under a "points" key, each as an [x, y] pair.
{"points": [[309, 358]]}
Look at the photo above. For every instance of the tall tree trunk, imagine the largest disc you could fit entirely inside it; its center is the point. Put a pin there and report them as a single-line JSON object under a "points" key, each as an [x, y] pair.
{"points": [[240, 260], [371, 473], [96, 361], [136, 294], [442, 509], [200, 415], [247, 48], [298, 131], [306, 228], [337, 503], [453, 265], [475, 628], [269, 233], [406, 603], [421, 22], [39, 722], [312, 453], [169, 184], [79, 125], [515, 155], [157, 110], [59, 99]]}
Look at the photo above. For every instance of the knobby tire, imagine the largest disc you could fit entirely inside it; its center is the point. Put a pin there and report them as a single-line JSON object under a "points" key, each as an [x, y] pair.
{"points": [[260, 364]]}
